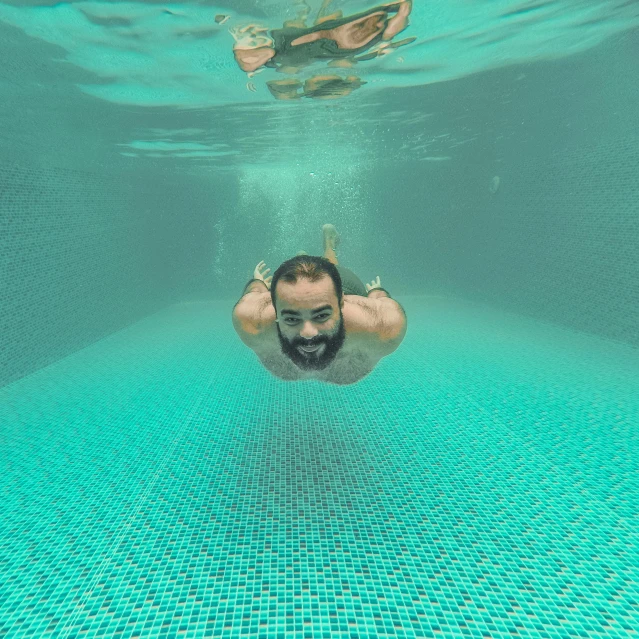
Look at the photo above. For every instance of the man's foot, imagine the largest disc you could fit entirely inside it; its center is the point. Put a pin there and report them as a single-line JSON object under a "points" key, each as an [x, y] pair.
{"points": [[331, 237]]}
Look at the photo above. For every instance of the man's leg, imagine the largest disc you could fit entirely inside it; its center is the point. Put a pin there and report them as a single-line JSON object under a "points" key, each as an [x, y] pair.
{"points": [[331, 241], [351, 284]]}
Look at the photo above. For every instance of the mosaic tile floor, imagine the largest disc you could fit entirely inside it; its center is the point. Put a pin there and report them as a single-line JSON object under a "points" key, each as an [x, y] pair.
{"points": [[481, 482]]}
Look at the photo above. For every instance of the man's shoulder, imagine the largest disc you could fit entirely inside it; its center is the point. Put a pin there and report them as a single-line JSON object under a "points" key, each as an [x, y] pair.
{"points": [[371, 326], [382, 318], [253, 314]]}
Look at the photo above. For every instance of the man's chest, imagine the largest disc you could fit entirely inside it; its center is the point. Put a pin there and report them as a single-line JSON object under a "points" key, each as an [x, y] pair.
{"points": [[351, 364]]}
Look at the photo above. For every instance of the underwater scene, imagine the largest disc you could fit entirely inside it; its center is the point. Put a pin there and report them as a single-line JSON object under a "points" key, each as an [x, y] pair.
{"points": [[319, 319]]}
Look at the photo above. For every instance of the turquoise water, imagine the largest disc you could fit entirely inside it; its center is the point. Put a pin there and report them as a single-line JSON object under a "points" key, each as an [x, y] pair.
{"points": [[482, 481], [159, 483]]}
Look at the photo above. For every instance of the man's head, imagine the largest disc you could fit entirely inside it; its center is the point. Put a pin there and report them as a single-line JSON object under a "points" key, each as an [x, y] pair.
{"points": [[306, 292]]}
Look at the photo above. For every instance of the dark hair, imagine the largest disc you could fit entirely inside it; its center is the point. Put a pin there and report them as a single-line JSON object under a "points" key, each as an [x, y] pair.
{"points": [[308, 267]]}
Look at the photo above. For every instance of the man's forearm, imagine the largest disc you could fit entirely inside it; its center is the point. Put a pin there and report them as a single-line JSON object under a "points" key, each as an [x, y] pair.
{"points": [[381, 298], [377, 293], [255, 298], [384, 300], [255, 286]]}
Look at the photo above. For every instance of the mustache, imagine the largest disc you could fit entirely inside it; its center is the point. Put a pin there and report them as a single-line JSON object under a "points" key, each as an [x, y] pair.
{"points": [[309, 344]]}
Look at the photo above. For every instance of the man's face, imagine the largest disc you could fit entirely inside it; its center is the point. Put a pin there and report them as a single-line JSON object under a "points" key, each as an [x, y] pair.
{"points": [[310, 316]]}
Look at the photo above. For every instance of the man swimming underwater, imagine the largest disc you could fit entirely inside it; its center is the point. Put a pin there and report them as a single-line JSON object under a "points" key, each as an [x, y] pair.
{"points": [[314, 319], [333, 38]]}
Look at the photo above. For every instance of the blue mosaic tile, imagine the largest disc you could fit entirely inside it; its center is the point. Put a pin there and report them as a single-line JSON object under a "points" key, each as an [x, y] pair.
{"points": [[481, 482], [83, 255]]}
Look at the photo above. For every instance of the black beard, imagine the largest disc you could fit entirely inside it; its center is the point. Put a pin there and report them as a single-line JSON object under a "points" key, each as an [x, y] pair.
{"points": [[313, 361]]}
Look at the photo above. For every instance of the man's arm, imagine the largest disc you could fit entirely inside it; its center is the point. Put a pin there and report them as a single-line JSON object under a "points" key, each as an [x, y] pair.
{"points": [[254, 310], [384, 317], [392, 324]]}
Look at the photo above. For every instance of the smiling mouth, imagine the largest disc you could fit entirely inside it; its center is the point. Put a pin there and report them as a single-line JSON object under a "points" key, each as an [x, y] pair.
{"points": [[309, 349]]}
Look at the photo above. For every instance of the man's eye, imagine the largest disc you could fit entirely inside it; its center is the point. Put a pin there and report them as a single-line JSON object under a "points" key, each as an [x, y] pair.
{"points": [[322, 317]]}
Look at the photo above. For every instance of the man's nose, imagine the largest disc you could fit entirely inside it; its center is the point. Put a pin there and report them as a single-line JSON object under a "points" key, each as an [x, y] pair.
{"points": [[309, 331]]}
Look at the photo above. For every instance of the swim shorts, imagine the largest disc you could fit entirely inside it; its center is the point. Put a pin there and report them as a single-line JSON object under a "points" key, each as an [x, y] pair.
{"points": [[351, 284]]}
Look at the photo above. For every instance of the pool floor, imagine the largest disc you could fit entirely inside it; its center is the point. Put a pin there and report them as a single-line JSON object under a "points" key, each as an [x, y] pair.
{"points": [[482, 481]]}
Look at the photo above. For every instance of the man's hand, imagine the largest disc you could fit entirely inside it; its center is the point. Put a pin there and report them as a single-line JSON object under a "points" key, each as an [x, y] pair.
{"points": [[374, 284], [258, 275]]}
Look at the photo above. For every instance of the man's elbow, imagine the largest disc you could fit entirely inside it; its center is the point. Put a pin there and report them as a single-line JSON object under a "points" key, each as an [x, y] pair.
{"points": [[254, 313], [243, 324], [394, 325]]}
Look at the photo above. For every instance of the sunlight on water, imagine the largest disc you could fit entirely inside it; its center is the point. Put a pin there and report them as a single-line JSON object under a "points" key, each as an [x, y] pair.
{"points": [[181, 55], [183, 60]]}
